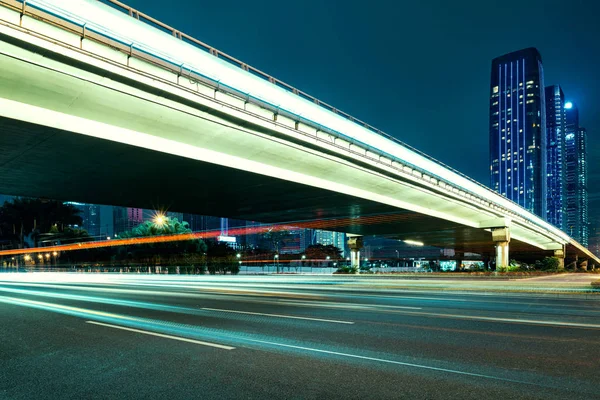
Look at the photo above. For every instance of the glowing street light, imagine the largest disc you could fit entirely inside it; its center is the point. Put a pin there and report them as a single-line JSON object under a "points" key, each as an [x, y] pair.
{"points": [[303, 256], [40, 256], [47, 256], [238, 255], [328, 258], [160, 220], [27, 257]]}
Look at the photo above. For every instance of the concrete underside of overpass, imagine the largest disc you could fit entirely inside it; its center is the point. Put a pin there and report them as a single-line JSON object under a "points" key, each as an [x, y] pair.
{"points": [[39, 161]]}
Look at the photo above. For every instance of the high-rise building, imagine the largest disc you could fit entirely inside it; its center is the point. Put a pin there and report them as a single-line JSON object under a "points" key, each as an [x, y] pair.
{"points": [[337, 239], [127, 218], [518, 129], [107, 221], [90, 216], [576, 176], [556, 160]]}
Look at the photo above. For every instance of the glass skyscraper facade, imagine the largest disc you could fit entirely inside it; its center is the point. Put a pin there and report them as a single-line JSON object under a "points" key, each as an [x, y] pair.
{"points": [[576, 176], [556, 160], [518, 129]]}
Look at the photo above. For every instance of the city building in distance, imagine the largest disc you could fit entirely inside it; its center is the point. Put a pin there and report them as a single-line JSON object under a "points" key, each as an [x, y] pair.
{"points": [[576, 176], [518, 129], [556, 159]]}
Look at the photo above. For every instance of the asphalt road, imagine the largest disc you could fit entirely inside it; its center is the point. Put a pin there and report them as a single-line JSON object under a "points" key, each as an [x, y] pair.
{"points": [[77, 336]]}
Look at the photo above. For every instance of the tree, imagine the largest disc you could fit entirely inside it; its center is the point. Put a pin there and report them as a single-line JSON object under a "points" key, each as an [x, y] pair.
{"points": [[276, 238], [28, 218], [221, 258], [548, 264], [319, 251], [184, 252]]}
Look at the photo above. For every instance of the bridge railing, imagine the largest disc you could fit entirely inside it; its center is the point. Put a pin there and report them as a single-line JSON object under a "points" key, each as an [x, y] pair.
{"points": [[232, 60], [257, 72]]}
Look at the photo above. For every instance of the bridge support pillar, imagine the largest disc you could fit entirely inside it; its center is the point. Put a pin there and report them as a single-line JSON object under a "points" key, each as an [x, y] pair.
{"points": [[355, 243], [501, 237], [560, 254]]}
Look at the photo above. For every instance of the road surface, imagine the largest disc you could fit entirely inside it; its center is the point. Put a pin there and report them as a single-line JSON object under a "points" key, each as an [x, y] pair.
{"points": [[100, 336]]}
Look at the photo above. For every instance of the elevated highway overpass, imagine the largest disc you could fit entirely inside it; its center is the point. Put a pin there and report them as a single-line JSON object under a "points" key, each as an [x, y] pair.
{"points": [[105, 105]]}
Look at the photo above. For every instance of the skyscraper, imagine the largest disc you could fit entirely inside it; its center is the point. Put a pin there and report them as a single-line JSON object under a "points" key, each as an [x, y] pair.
{"points": [[576, 176], [90, 216], [556, 160], [518, 129], [127, 218], [337, 239]]}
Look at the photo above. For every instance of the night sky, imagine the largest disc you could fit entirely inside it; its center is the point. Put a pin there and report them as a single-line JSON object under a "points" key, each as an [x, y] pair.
{"points": [[419, 71]]}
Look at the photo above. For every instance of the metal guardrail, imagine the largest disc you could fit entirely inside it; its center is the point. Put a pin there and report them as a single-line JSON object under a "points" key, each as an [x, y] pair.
{"points": [[232, 60]]}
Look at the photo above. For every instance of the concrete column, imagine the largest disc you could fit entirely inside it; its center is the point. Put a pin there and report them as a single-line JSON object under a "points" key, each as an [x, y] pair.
{"points": [[501, 255], [560, 254], [355, 243], [501, 237]]}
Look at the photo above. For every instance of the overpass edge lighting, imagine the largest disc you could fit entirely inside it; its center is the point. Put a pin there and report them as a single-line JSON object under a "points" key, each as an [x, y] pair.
{"points": [[529, 219], [476, 188]]}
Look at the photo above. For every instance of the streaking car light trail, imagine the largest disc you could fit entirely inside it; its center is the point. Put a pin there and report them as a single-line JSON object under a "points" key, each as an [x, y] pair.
{"points": [[317, 224]]}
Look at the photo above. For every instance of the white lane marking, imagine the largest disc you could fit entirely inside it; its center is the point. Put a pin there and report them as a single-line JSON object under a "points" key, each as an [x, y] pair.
{"points": [[506, 320], [279, 316], [383, 360], [402, 307], [219, 346]]}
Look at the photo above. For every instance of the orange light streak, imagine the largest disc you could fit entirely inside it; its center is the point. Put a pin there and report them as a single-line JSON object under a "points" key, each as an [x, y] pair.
{"points": [[317, 224]]}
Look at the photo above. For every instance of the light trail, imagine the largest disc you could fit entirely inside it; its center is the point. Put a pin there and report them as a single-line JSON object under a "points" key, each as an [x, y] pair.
{"points": [[278, 315], [193, 333], [316, 224]]}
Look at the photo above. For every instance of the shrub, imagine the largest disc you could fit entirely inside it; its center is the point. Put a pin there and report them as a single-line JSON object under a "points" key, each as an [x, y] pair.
{"points": [[345, 270], [548, 264]]}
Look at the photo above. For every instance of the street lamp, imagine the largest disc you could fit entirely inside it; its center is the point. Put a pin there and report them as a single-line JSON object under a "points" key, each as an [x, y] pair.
{"points": [[276, 260], [159, 220]]}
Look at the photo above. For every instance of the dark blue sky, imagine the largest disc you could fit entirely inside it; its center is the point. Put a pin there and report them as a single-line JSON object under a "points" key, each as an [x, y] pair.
{"points": [[419, 70]]}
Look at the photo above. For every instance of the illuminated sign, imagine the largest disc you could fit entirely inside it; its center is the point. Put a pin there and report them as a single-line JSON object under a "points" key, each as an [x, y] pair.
{"points": [[227, 239]]}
